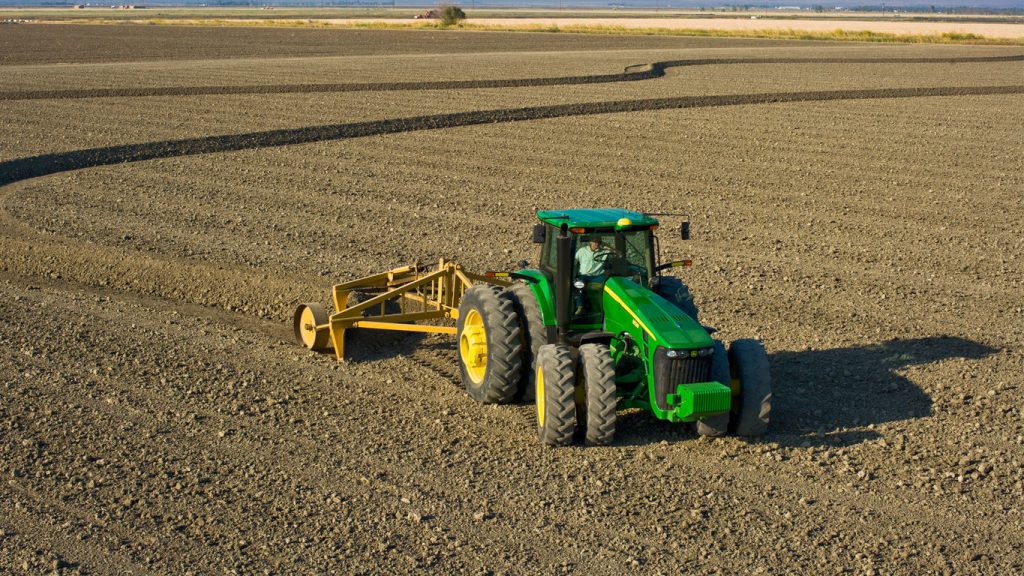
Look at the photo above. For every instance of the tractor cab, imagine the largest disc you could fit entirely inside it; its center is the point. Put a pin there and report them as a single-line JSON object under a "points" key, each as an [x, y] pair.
{"points": [[603, 243]]}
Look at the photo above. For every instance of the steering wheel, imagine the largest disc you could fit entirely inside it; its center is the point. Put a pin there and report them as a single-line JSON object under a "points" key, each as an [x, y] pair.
{"points": [[616, 264]]}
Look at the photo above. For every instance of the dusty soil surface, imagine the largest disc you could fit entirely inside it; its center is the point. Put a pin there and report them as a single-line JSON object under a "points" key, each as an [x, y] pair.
{"points": [[156, 418]]}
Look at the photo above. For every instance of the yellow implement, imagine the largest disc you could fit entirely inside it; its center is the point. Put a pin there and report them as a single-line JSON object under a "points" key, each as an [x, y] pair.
{"points": [[418, 295]]}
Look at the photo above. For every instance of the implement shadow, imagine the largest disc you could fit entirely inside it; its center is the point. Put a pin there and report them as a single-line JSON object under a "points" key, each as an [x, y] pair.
{"points": [[364, 345], [817, 391]]}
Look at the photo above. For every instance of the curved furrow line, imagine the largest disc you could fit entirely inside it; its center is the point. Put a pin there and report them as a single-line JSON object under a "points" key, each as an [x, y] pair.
{"points": [[645, 72], [23, 168], [630, 74]]}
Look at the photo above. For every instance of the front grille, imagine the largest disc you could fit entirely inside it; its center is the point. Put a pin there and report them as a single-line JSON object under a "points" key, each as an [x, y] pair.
{"points": [[671, 372]]}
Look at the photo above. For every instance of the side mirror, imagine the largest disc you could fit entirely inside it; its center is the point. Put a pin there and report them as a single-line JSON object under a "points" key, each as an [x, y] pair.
{"points": [[539, 233], [684, 230]]}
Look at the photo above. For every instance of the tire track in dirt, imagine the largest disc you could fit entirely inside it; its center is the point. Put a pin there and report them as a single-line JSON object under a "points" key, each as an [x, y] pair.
{"points": [[45, 164], [630, 74], [441, 363]]}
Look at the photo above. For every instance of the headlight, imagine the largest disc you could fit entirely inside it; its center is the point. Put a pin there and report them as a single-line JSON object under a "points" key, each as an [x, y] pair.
{"points": [[702, 353]]}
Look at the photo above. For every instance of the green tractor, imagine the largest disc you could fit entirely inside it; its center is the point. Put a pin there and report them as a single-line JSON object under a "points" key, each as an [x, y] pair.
{"points": [[594, 328], [597, 327]]}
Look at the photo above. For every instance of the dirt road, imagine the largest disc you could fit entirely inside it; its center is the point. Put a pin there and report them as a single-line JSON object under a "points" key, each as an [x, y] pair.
{"points": [[156, 418]]}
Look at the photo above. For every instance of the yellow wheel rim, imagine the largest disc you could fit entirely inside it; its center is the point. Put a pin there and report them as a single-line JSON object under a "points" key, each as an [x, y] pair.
{"points": [[473, 347], [540, 397], [307, 327]]}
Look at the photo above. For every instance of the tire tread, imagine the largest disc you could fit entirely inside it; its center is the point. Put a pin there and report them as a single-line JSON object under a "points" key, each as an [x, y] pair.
{"points": [[750, 361], [533, 332], [598, 378], [504, 346], [559, 426]]}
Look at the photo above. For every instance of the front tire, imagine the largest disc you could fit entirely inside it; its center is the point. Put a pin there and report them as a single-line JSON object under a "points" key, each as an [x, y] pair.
{"points": [[556, 391], [718, 425], [489, 345], [596, 400], [750, 365]]}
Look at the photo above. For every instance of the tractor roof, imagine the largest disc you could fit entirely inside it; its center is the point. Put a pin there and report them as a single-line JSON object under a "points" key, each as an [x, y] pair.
{"points": [[594, 217]]}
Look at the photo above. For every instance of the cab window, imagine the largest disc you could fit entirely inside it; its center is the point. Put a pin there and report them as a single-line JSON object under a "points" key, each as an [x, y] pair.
{"points": [[624, 254], [549, 251]]}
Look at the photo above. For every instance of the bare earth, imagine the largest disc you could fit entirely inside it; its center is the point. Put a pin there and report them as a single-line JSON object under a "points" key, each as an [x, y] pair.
{"points": [[857, 207]]}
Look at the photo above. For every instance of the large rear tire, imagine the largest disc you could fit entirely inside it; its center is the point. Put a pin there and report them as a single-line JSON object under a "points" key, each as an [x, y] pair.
{"points": [[749, 362], [718, 425], [556, 391], [533, 332], [490, 349], [596, 401], [675, 291]]}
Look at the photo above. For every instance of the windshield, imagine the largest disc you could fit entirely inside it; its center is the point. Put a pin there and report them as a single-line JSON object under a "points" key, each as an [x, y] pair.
{"points": [[596, 257], [603, 254]]}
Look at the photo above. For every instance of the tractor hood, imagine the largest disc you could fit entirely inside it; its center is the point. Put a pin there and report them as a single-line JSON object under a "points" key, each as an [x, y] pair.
{"points": [[630, 307]]}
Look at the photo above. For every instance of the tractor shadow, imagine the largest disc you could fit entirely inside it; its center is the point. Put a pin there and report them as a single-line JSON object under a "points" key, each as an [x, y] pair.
{"points": [[831, 397]]}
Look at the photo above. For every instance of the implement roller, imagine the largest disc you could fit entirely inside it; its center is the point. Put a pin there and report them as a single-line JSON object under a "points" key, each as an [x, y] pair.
{"points": [[596, 327]]}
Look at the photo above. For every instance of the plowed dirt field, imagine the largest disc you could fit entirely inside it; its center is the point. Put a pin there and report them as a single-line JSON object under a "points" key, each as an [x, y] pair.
{"points": [[165, 206]]}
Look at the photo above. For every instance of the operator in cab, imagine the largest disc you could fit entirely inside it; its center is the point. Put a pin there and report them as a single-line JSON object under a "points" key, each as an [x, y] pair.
{"points": [[590, 262], [590, 259]]}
